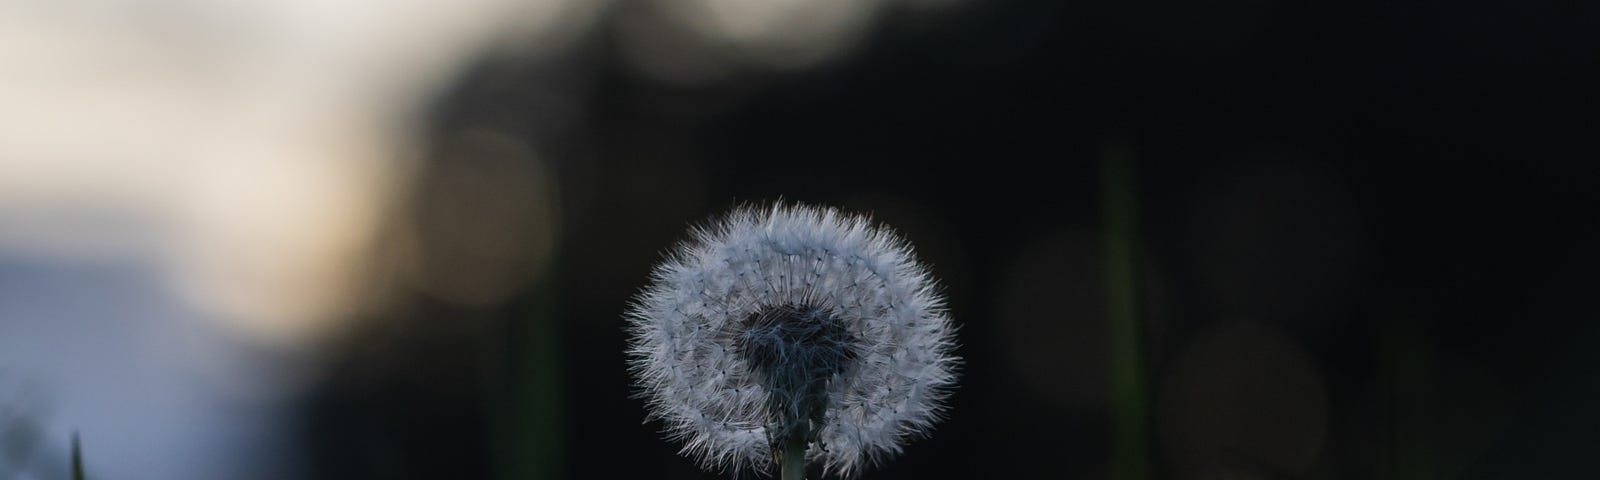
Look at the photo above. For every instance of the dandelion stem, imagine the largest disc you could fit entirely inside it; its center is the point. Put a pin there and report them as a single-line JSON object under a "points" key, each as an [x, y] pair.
{"points": [[793, 461]]}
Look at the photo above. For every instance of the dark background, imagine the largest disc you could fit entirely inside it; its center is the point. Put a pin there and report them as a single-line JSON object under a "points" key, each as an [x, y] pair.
{"points": [[1365, 241]]}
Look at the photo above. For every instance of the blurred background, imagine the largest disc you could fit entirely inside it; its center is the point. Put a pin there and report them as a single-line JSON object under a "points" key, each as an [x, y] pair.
{"points": [[1243, 239]]}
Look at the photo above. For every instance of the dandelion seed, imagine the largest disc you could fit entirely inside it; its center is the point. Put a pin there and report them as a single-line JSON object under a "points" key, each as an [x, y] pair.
{"points": [[840, 368]]}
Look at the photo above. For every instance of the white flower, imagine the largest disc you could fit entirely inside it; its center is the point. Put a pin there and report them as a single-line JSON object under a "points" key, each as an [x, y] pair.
{"points": [[792, 321]]}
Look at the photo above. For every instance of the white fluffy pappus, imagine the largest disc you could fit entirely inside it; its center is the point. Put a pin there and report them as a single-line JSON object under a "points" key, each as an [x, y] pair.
{"points": [[685, 327]]}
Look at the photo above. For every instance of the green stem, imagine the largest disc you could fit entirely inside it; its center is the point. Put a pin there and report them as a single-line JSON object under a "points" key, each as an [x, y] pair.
{"points": [[1130, 459], [793, 460], [77, 458]]}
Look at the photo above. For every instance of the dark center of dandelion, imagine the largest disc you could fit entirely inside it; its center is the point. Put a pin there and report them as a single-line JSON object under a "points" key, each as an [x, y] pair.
{"points": [[796, 351]]}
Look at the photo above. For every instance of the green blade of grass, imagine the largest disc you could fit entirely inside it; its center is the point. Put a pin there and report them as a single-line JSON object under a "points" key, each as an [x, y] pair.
{"points": [[77, 458], [1130, 457]]}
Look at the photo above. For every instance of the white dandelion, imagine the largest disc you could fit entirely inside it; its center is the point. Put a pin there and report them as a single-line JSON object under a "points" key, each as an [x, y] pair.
{"points": [[792, 334]]}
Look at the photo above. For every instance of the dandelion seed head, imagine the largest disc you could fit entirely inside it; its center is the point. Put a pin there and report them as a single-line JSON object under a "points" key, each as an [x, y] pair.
{"points": [[788, 316]]}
